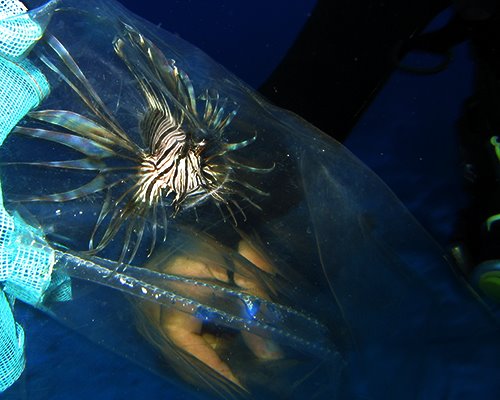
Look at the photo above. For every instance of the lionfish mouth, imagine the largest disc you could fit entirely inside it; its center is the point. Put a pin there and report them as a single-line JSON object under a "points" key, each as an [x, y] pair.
{"points": [[182, 159]]}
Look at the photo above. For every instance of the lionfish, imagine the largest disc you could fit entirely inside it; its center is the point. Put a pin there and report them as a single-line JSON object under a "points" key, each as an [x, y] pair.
{"points": [[183, 159]]}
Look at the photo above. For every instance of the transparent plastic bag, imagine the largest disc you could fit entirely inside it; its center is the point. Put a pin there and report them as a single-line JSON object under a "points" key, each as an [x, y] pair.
{"points": [[252, 254]]}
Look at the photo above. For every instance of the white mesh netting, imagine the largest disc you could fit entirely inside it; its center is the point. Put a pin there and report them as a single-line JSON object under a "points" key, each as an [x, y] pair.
{"points": [[11, 346], [22, 87], [24, 267], [25, 260], [29, 260], [18, 32], [6, 231]]}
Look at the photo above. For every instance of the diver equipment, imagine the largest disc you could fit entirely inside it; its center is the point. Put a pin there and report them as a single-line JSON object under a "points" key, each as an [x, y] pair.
{"points": [[479, 130], [361, 41], [476, 247]]}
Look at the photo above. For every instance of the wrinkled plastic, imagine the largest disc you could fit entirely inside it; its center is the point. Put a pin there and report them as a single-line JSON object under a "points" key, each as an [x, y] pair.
{"points": [[318, 283]]}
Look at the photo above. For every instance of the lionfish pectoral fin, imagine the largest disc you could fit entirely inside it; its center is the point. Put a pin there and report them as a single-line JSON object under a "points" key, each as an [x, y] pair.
{"points": [[163, 211], [88, 95], [72, 66], [94, 186], [86, 164], [138, 216], [112, 229], [252, 188], [116, 220], [130, 229], [241, 211], [154, 229], [105, 209], [252, 203], [133, 214], [231, 213], [84, 127], [245, 167], [80, 144]]}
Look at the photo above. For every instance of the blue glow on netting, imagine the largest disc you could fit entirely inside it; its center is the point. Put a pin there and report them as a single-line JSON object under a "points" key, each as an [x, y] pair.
{"points": [[25, 266], [12, 359], [29, 261], [22, 87]]}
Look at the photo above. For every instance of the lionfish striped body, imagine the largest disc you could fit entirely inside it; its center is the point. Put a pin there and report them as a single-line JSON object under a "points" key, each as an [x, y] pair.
{"points": [[181, 162]]}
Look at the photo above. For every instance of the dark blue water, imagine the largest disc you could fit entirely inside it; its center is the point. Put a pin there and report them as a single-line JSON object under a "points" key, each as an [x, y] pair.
{"points": [[248, 38], [409, 137]]}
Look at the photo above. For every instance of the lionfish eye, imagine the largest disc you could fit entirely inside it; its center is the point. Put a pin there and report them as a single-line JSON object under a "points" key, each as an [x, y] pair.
{"points": [[181, 162]]}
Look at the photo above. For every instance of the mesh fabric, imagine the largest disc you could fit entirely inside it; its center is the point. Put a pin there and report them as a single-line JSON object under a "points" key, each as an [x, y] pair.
{"points": [[11, 345], [18, 32], [25, 259], [22, 87], [30, 261]]}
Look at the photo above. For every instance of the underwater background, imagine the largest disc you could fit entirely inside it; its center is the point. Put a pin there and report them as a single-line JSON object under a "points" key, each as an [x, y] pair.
{"points": [[402, 124]]}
